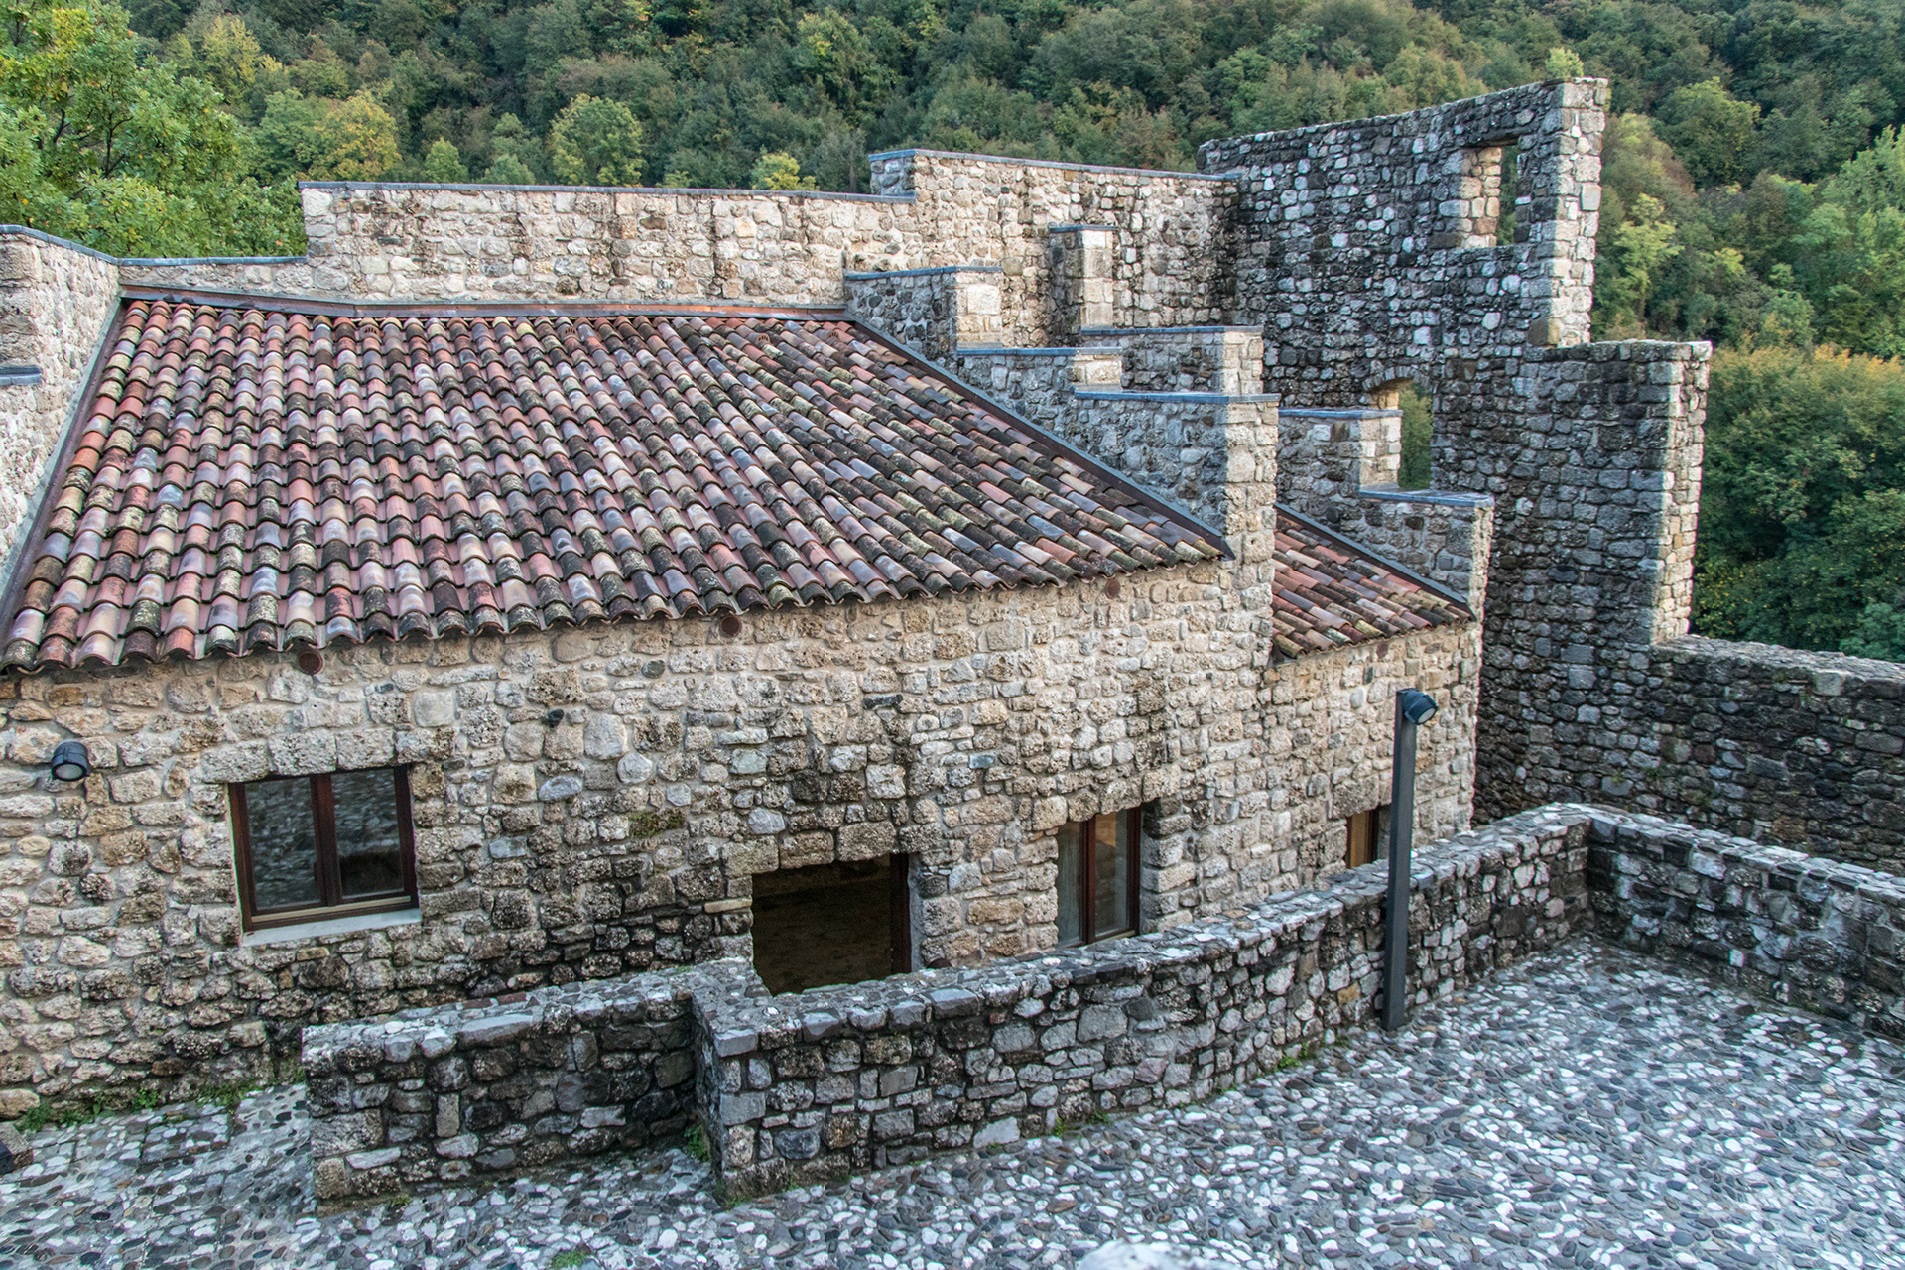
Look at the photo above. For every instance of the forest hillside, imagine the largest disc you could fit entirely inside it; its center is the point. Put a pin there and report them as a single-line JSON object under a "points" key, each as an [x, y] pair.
{"points": [[1755, 174]]}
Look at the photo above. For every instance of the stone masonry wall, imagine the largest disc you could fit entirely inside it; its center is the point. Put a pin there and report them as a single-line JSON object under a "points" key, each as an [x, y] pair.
{"points": [[1819, 934], [53, 307], [804, 1088], [1355, 249], [1169, 265], [594, 802], [799, 1088], [1802, 749], [491, 1086]]}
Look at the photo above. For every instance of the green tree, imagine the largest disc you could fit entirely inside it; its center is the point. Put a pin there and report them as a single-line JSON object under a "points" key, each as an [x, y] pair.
{"points": [[1802, 517], [115, 149], [779, 170], [1711, 131], [444, 164], [596, 141]]}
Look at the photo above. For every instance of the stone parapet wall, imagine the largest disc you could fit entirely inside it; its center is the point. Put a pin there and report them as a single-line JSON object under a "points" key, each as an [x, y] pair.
{"points": [[1223, 359], [932, 311], [801, 1088], [1801, 749], [1168, 262], [1819, 934], [1326, 457], [432, 1096], [1445, 538], [877, 1074]]}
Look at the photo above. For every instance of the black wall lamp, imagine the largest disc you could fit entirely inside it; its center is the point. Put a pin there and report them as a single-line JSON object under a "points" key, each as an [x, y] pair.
{"points": [[1413, 709], [71, 762]]}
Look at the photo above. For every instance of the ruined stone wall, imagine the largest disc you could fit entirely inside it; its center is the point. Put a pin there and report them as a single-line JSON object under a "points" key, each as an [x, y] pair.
{"points": [[1367, 249], [596, 801]]}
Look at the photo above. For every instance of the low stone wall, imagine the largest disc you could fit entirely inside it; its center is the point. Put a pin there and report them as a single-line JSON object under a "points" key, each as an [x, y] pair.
{"points": [[1803, 749], [1819, 934], [494, 1086], [795, 1089], [875, 1074]]}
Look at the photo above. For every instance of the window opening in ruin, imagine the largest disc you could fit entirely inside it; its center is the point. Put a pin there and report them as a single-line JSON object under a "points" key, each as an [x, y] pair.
{"points": [[1494, 198], [331, 845], [1418, 438], [833, 923], [1098, 878], [1512, 194], [1367, 837], [1414, 465]]}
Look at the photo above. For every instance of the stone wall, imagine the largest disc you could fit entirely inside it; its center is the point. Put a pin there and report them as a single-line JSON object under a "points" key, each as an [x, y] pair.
{"points": [[1818, 934], [1445, 538], [492, 1086], [930, 210], [1356, 250], [596, 801], [803, 1088], [1801, 749], [53, 306]]}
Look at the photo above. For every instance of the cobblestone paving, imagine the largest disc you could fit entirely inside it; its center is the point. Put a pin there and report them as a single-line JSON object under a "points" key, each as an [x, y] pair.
{"points": [[1586, 1108]]}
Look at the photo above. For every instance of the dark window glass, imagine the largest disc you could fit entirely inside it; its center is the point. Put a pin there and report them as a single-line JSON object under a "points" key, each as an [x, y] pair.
{"points": [[1071, 870], [369, 837], [310, 843], [284, 852], [1111, 876], [1098, 879]]}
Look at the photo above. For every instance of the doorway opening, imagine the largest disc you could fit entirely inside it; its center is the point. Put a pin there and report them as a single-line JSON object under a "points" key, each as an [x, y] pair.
{"points": [[832, 923]]}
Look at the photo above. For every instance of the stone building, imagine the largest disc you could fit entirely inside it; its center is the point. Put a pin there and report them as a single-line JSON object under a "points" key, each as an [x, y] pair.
{"points": [[530, 586]]}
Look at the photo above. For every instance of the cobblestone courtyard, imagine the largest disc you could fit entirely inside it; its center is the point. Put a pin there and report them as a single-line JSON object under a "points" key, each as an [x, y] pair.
{"points": [[1587, 1108]]}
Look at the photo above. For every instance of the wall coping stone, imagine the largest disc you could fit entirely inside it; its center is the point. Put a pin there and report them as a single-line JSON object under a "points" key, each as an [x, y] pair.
{"points": [[1118, 394], [27, 231], [1127, 332], [1437, 497], [474, 187], [864, 275], [1050, 163]]}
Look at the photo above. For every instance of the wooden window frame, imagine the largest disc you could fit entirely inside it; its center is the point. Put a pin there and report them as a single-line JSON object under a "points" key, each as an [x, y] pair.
{"points": [[331, 903], [1088, 866]]}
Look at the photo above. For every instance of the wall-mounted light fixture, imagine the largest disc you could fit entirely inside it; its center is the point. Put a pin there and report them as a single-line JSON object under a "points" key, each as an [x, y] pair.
{"points": [[1413, 709], [71, 762]]}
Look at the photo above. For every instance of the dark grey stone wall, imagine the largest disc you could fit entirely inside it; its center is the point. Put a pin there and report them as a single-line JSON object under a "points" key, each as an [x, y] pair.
{"points": [[1819, 934]]}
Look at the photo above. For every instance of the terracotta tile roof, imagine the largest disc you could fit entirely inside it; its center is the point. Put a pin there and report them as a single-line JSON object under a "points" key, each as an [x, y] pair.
{"points": [[263, 477], [1330, 593], [259, 475]]}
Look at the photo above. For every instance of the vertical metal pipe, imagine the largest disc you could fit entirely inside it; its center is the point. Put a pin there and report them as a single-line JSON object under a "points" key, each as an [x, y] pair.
{"points": [[1402, 825]]}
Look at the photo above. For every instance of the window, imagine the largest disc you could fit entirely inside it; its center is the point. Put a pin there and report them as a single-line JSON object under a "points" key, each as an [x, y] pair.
{"points": [[833, 923], [1367, 831], [1098, 879], [312, 847], [1491, 197]]}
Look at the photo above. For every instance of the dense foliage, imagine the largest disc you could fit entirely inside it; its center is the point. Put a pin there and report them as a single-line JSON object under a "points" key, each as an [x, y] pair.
{"points": [[1755, 177]]}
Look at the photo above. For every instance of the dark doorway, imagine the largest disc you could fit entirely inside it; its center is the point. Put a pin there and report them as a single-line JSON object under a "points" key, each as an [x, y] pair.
{"points": [[832, 923]]}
